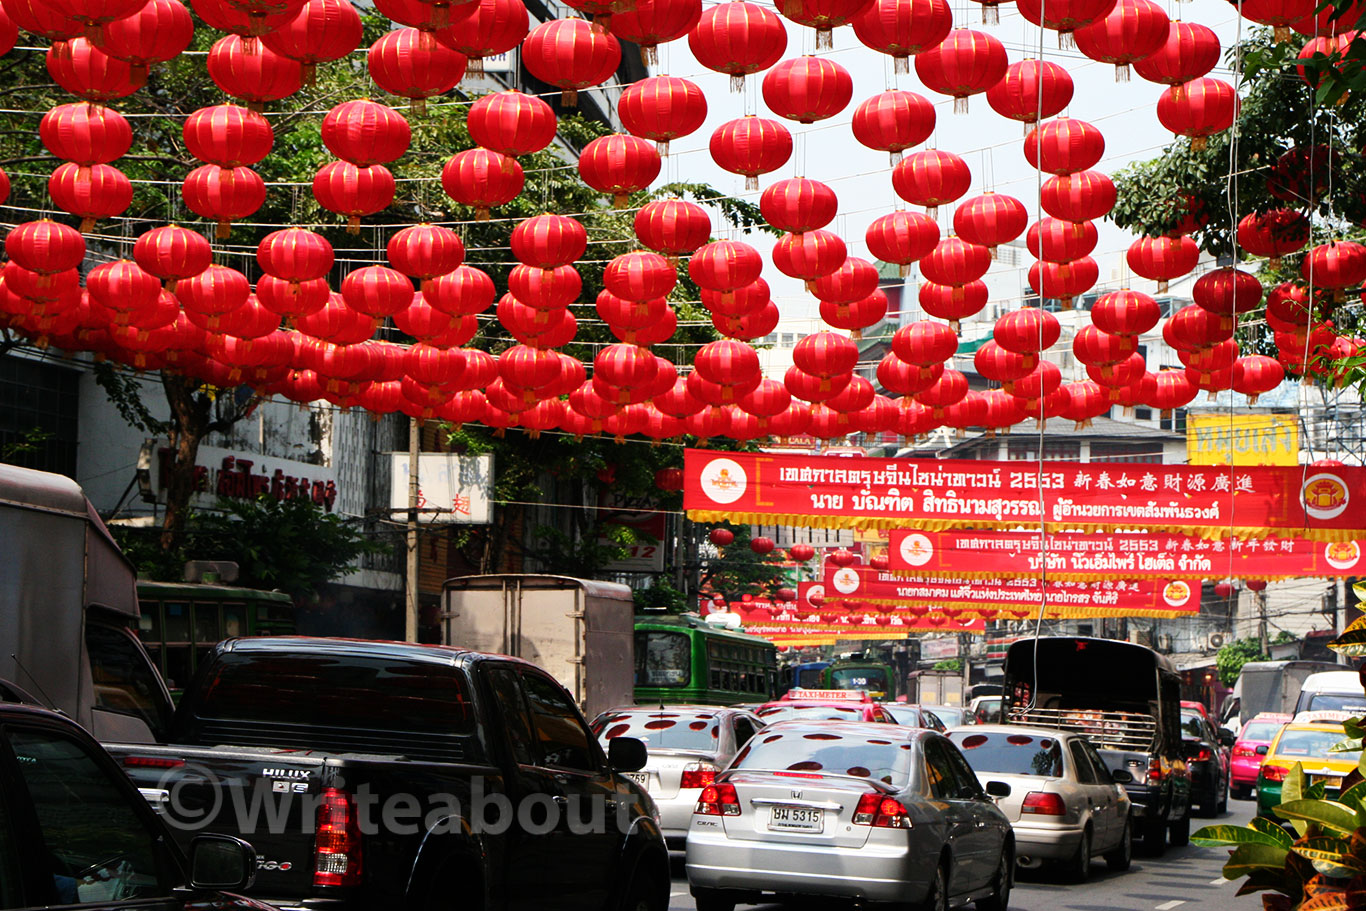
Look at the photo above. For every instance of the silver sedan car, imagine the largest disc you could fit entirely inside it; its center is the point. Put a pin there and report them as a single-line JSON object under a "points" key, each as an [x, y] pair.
{"points": [[849, 810], [1065, 804], [687, 745]]}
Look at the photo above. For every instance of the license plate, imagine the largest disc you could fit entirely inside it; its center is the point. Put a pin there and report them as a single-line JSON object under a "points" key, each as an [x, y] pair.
{"points": [[640, 778], [795, 819]]}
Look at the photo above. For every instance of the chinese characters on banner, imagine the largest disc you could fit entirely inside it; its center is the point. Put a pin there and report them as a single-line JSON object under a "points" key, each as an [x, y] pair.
{"points": [[1079, 557], [833, 492], [1074, 600]]}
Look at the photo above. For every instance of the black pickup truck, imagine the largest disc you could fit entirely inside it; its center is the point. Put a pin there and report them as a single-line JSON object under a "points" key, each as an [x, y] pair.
{"points": [[390, 775]]}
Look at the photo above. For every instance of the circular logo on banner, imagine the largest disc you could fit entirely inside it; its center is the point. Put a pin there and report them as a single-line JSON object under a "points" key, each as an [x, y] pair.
{"points": [[846, 581], [916, 549], [1342, 554], [1176, 593], [1325, 496], [724, 481], [815, 595]]}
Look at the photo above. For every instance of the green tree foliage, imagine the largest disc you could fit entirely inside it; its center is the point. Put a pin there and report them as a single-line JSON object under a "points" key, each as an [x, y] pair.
{"points": [[1231, 658], [290, 545], [737, 570]]}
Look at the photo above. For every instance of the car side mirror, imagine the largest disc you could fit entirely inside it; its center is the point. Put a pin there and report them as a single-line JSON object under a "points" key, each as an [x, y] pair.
{"points": [[221, 863], [1227, 738], [998, 789], [1122, 776], [626, 754], [1263, 749]]}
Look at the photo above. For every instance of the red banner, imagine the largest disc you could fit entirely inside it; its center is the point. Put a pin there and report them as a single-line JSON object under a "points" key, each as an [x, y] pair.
{"points": [[836, 492], [1073, 600], [1084, 557], [783, 623]]}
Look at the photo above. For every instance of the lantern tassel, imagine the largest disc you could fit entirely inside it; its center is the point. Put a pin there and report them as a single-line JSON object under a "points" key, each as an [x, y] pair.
{"points": [[991, 14], [662, 147], [1067, 41], [1121, 72], [353, 225], [1199, 143], [824, 39], [953, 324], [752, 182], [901, 64], [475, 67], [1252, 399], [86, 224], [310, 71], [932, 211], [569, 98], [1281, 33], [481, 213], [737, 82], [896, 156], [419, 107], [256, 107], [1162, 286], [905, 269], [649, 55], [224, 230], [619, 200], [960, 104], [856, 334]]}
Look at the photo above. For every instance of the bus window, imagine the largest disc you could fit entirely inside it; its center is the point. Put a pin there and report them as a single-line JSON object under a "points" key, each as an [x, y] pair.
{"points": [[809, 677], [663, 658], [206, 628], [234, 620]]}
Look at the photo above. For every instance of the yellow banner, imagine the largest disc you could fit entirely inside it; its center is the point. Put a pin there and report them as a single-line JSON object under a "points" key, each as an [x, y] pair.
{"points": [[1250, 439]]}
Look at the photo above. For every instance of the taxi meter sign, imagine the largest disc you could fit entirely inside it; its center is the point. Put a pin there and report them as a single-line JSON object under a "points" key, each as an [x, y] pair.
{"points": [[795, 694]]}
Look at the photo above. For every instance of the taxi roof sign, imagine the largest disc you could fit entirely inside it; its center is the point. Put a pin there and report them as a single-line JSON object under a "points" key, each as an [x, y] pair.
{"points": [[1323, 716], [827, 695]]}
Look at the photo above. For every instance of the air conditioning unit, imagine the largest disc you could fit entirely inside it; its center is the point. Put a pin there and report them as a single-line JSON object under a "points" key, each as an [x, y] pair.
{"points": [[1215, 641]]}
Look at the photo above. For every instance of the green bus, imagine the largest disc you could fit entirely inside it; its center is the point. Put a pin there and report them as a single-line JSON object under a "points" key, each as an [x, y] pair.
{"points": [[181, 621], [854, 674], [683, 659]]}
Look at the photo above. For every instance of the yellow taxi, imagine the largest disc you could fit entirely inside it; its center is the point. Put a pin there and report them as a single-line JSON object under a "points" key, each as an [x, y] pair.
{"points": [[1307, 740]]}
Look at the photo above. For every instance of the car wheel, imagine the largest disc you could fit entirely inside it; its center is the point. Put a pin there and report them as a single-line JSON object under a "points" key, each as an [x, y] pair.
{"points": [[1222, 807], [999, 899], [938, 899], [1119, 859], [1181, 831], [1154, 836], [1078, 869], [712, 900], [645, 895]]}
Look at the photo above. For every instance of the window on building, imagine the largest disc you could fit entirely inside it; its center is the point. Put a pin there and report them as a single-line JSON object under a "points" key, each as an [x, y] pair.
{"points": [[1137, 451], [771, 339], [789, 339], [1057, 450], [39, 406]]}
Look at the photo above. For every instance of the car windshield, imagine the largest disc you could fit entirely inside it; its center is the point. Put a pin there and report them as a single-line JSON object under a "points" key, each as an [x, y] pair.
{"points": [[772, 713], [1261, 731], [1192, 726], [666, 730], [809, 677], [1337, 702], [952, 716], [663, 658], [859, 678], [1313, 743], [1010, 754], [830, 751]]}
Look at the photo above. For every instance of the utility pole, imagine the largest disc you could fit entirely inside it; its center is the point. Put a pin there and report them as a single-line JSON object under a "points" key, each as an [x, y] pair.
{"points": [[411, 605], [1261, 622]]}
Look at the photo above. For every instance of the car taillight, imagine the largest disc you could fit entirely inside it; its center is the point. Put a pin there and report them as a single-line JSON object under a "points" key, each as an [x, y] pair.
{"points": [[718, 800], [337, 837], [697, 775], [1240, 749], [1274, 772], [1203, 756], [1155, 774], [881, 812], [152, 762], [1043, 803]]}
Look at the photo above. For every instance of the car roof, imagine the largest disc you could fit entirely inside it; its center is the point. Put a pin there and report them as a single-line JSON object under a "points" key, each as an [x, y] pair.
{"points": [[1332, 681], [683, 707], [852, 728], [1282, 717], [1050, 733]]}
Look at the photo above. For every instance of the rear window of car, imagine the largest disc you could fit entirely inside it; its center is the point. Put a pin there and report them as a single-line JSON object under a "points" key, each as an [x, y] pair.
{"points": [[1336, 702], [773, 713], [1261, 731], [1010, 754], [1193, 725], [662, 730], [1313, 743], [829, 752]]}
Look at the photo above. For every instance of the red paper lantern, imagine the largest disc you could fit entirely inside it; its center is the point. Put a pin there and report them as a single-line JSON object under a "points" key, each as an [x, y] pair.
{"points": [[1273, 233], [855, 315], [348, 190], [955, 262], [545, 289], [810, 255], [672, 226], [572, 55], [1191, 51], [85, 133], [1134, 29], [548, 241], [798, 204], [321, 31], [925, 343], [1129, 313], [1172, 390], [825, 355], [1064, 281], [902, 238], [228, 136], [1256, 374], [727, 363], [996, 363], [1198, 109], [408, 63], [88, 72], [1064, 16], [156, 33], [244, 68], [295, 255], [1084, 196], [654, 22], [1334, 266], [336, 322], [215, 291], [953, 302], [45, 246], [619, 165], [808, 89], [1064, 146], [99, 191], [425, 251], [738, 38], [482, 179], [1031, 89], [965, 63], [1227, 291], [823, 15], [931, 178], [639, 276], [766, 400], [237, 19], [950, 389], [990, 220], [44, 19], [662, 108], [801, 552], [1162, 258], [1290, 304], [903, 29], [893, 121], [1097, 348], [740, 301], [365, 133], [123, 287], [897, 376], [721, 536], [492, 27], [1086, 400], [854, 280], [1195, 327], [725, 265], [1061, 241], [854, 397], [751, 146], [377, 291], [750, 326], [512, 123], [1027, 331]]}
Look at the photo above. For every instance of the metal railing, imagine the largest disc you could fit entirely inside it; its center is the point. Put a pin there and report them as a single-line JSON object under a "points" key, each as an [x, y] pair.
{"points": [[1107, 730]]}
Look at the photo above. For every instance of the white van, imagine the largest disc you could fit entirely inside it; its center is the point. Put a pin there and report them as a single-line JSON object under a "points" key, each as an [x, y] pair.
{"points": [[1333, 691]]}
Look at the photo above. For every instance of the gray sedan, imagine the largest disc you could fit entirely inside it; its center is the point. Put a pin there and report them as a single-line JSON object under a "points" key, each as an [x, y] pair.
{"points": [[1065, 804], [687, 746], [850, 810]]}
